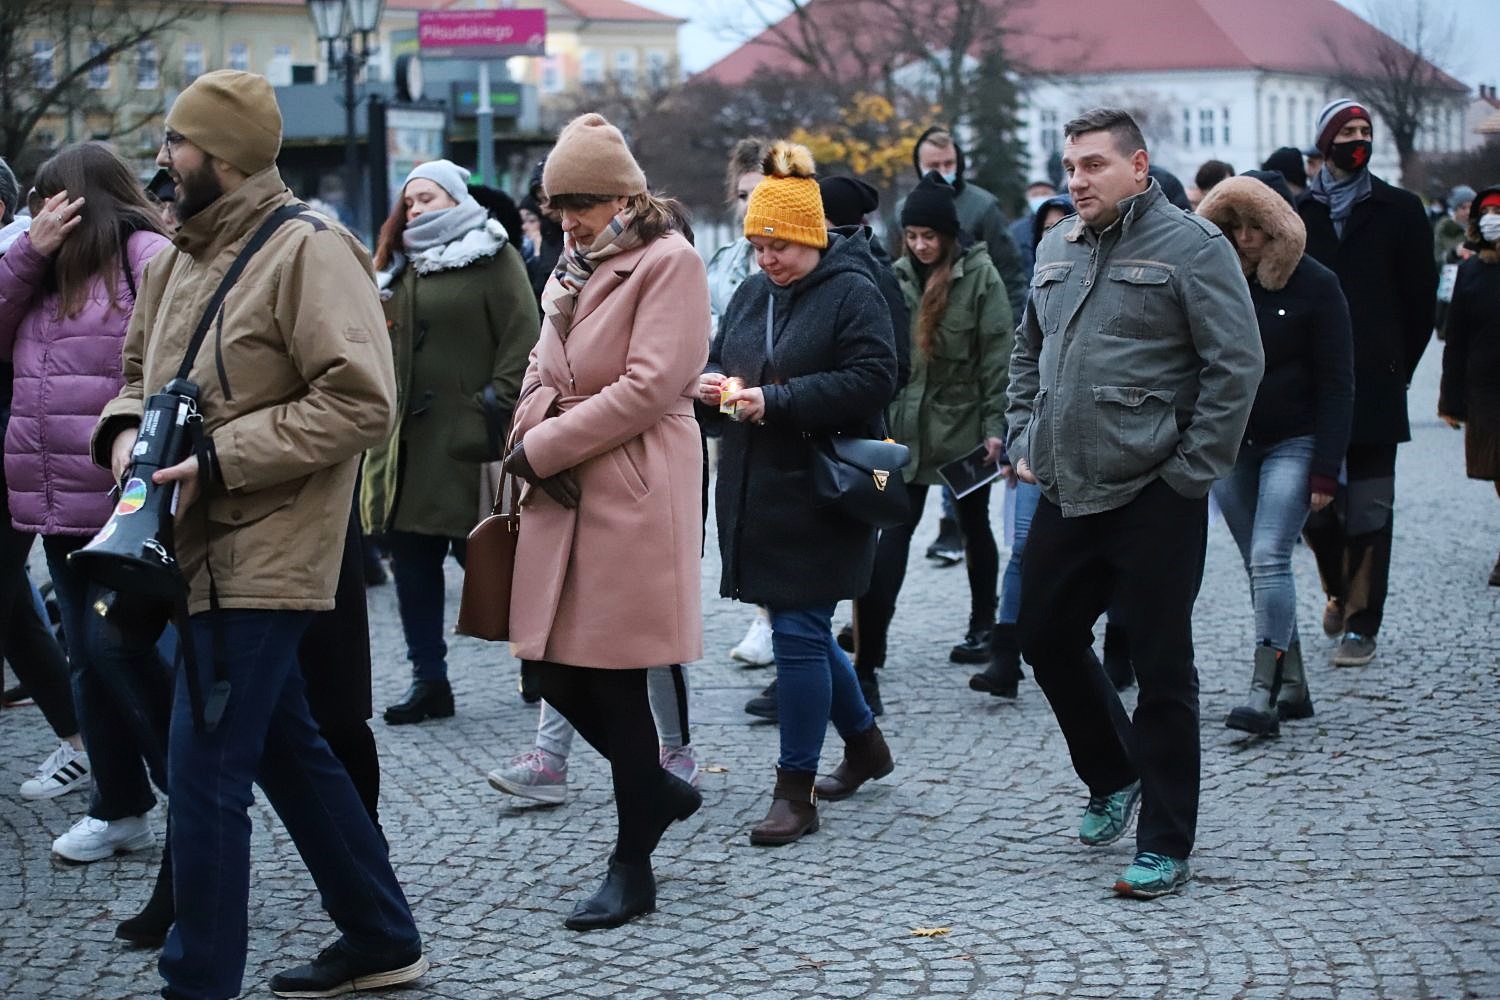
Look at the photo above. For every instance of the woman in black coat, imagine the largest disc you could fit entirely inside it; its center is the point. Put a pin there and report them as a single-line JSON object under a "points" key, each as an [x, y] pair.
{"points": [[1298, 432], [1470, 396], [833, 369]]}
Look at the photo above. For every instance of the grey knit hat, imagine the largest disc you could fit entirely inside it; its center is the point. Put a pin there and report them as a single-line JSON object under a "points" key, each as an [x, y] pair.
{"points": [[1334, 116], [445, 174], [1459, 195]]}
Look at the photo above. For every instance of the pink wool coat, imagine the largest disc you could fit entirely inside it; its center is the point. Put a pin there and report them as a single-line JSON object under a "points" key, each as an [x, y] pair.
{"points": [[615, 583]]}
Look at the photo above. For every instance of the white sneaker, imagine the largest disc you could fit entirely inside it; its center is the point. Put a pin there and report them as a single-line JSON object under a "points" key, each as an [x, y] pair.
{"points": [[93, 839], [682, 763], [536, 774], [755, 649], [63, 771]]}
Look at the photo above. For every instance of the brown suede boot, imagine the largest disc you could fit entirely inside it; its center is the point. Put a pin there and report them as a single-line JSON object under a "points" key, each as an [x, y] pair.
{"points": [[865, 757], [794, 810]]}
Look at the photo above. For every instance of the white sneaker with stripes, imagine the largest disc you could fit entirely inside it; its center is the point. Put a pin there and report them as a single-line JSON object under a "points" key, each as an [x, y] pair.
{"points": [[63, 771]]}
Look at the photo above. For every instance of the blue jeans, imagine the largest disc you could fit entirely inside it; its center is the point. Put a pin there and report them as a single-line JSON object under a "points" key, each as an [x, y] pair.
{"points": [[268, 737], [815, 683], [1265, 503], [417, 561], [1027, 495], [120, 690]]}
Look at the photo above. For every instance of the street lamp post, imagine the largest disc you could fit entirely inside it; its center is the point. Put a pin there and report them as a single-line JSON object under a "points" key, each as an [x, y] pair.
{"points": [[351, 22]]}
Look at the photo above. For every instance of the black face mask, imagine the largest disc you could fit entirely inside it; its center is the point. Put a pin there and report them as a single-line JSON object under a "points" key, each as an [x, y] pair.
{"points": [[1350, 156]]}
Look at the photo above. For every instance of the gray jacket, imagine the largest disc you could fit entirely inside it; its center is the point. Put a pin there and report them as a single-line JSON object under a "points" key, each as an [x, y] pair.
{"points": [[1138, 357]]}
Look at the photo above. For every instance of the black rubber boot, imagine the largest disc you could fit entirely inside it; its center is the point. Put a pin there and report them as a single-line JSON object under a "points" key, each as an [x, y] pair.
{"points": [[1259, 715], [1003, 676], [629, 891], [1294, 700]]}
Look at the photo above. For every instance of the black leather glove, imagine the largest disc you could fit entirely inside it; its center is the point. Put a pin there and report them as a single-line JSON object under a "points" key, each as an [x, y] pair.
{"points": [[562, 487]]}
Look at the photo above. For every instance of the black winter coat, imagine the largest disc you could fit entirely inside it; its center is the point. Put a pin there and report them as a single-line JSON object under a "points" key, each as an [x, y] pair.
{"points": [[1384, 265], [335, 650], [1308, 387], [885, 279], [834, 371], [1471, 355]]}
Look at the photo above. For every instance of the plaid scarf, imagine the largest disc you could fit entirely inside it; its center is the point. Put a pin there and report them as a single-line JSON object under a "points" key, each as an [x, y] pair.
{"points": [[575, 266]]}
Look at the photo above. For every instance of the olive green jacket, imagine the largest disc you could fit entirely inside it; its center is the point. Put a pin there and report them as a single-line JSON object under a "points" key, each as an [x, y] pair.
{"points": [[453, 333], [956, 397]]}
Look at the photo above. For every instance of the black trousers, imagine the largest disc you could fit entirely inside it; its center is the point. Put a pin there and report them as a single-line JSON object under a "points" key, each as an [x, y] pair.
{"points": [[610, 710], [26, 641], [874, 611], [1146, 559], [1351, 537]]}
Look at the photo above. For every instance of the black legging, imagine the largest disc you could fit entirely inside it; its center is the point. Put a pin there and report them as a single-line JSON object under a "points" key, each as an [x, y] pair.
{"points": [[609, 708], [874, 611], [26, 641]]}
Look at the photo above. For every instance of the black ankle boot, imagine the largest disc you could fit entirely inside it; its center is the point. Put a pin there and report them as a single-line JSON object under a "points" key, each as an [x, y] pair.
{"points": [[1259, 715], [629, 891], [1003, 676], [148, 929], [1293, 700], [976, 645], [423, 700]]}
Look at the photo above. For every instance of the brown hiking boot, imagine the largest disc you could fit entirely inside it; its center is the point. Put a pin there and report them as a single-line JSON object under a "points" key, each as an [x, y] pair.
{"points": [[794, 810], [1333, 618], [865, 757]]}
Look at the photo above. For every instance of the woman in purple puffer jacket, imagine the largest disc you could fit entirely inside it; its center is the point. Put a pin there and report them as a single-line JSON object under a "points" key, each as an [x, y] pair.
{"points": [[67, 290]]}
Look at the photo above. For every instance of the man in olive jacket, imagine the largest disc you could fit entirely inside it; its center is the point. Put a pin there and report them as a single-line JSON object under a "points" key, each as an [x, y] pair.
{"points": [[1132, 377], [295, 380]]}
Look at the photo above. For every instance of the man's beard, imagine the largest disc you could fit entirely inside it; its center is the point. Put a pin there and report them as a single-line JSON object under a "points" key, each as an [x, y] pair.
{"points": [[196, 191]]}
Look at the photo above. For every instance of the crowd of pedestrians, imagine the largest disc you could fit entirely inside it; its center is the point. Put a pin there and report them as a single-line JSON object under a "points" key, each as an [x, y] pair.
{"points": [[1111, 363]]}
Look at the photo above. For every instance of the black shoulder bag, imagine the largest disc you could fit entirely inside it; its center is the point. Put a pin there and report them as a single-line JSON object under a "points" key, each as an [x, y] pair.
{"points": [[859, 477]]}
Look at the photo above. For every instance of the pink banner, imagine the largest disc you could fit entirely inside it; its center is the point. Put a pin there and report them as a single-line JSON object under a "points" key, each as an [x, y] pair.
{"points": [[482, 34]]}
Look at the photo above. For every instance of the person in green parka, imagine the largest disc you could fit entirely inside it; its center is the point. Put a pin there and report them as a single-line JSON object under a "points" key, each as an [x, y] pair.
{"points": [[462, 321], [961, 330]]}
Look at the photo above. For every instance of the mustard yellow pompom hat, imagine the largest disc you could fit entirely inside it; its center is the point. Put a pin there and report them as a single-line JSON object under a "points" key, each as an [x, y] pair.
{"points": [[787, 205]]}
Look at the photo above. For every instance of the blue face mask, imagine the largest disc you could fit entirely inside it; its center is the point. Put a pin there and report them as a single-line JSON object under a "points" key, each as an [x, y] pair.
{"points": [[1037, 202], [952, 178]]}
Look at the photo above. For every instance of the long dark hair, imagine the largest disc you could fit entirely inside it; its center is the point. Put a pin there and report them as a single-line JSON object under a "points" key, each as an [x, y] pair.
{"points": [[935, 292], [114, 207]]}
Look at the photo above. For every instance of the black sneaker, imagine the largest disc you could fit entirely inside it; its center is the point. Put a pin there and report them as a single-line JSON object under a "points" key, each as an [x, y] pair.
{"points": [[337, 971], [763, 706]]}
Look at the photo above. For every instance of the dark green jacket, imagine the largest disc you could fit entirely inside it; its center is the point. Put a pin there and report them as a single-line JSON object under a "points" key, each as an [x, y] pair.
{"points": [[453, 333], [955, 398]]}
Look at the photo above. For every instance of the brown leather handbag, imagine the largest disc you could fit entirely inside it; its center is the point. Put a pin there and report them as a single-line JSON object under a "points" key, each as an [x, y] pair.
{"points": [[484, 608]]}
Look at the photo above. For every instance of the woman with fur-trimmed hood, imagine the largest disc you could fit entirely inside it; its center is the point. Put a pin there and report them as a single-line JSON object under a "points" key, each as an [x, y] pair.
{"points": [[1299, 429], [1470, 396]]}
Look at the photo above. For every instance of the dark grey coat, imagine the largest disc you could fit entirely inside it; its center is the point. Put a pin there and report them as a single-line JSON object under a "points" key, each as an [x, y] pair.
{"points": [[835, 360]]}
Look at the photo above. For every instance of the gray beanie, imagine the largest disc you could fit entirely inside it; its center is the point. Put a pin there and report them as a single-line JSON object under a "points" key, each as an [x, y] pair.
{"points": [[445, 174], [1459, 195], [10, 192]]}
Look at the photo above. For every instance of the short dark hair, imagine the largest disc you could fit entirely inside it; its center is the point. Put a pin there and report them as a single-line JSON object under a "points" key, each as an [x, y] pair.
{"points": [[1116, 121], [1211, 173], [10, 193]]}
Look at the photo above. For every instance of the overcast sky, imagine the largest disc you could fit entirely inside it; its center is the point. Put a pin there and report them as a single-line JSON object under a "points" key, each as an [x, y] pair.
{"points": [[1476, 57]]}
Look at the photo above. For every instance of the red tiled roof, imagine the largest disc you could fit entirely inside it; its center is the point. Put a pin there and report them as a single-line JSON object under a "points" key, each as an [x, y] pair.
{"points": [[1108, 36], [616, 10]]}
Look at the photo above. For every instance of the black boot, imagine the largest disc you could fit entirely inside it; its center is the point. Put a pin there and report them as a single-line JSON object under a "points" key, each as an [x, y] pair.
{"points": [[1294, 700], [763, 705], [976, 645], [423, 700], [629, 891], [1002, 677], [528, 683], [1117, 657], [148, 929], [1258, 715]]}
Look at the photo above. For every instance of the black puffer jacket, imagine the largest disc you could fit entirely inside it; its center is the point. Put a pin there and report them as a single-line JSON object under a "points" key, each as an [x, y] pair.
{"points": [[835, 362]]}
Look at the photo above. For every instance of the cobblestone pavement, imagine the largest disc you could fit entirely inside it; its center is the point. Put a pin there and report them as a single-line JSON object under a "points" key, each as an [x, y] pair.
{"points": [[1355, 856]]}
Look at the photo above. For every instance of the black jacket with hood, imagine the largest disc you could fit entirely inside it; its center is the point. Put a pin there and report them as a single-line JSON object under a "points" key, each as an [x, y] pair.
{"points": [[834, 371], [1471, 353]]}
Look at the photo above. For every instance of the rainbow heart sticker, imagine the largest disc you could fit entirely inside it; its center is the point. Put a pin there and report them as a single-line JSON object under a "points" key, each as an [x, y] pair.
{"points": [[132, 498]]}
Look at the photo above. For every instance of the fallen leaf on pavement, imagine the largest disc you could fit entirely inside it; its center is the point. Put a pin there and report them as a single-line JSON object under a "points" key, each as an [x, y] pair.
{"points": [[929, 931]]}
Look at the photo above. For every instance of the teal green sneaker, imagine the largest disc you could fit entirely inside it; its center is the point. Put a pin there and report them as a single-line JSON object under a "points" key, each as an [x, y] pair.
{"points": [[1108, 816], [1151, 875]]}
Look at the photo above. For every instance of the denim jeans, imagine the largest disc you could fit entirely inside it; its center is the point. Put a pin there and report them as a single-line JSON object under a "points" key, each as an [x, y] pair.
{"points": [[815, 683], [1265, 503], [417, 561], [120, 690], [1025, 501], [267, 737]]}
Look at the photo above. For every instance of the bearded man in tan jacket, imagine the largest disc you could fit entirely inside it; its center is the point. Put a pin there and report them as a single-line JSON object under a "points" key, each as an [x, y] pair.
{"points": [[295, 381]]}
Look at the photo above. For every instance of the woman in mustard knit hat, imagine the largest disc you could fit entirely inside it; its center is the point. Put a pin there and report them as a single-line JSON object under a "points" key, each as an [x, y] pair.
{"points": [[606, 581], [832, 369]]}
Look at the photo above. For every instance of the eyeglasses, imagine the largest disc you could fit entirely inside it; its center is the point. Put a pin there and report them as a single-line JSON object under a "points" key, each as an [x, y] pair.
{"points": [[172, 140]]}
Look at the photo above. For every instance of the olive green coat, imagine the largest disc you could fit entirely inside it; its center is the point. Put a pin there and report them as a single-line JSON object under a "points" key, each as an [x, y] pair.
{"points": [[956, 397], [452, 333]]}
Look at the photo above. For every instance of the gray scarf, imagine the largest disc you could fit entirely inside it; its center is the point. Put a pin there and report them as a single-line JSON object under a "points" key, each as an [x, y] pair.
{"points": [[433, 229], [1339, 195]]}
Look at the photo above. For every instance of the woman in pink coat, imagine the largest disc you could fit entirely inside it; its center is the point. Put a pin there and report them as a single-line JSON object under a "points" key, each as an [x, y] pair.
{"points": [[607, 581], [67, 290]]}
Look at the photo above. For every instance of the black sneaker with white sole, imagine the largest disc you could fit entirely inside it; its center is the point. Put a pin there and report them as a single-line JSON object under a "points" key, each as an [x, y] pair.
{"points": [[337, 971]]}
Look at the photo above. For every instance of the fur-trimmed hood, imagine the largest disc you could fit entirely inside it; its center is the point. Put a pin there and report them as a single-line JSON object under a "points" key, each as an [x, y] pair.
{"points": [[1488, 252], [1245, 199]]}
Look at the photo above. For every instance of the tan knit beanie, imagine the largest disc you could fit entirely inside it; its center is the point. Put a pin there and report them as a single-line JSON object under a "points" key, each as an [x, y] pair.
{"points": [[232, 115], [591, 158]]}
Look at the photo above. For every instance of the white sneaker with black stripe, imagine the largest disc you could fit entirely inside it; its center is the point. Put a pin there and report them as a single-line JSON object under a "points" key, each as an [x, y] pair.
{"points": [[63, 771]]}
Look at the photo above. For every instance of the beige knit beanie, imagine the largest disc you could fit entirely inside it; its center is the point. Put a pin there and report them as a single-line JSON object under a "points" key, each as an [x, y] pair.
{"points": [[232, 115], [591, 158]]}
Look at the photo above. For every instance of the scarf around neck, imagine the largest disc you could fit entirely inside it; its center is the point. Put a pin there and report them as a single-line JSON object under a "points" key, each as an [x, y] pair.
{"points": [[1339, 195], [575, 266], [435, 229]]}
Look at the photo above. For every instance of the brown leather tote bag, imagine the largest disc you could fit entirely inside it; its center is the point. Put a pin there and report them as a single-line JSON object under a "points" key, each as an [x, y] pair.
{"points": [[484, 607]]}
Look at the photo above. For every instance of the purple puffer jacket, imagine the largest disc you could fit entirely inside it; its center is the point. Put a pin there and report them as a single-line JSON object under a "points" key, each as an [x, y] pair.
{"points": [[67, 368]]}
